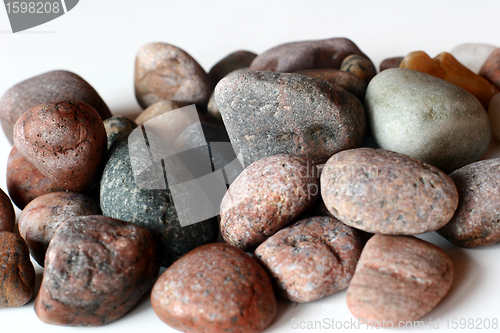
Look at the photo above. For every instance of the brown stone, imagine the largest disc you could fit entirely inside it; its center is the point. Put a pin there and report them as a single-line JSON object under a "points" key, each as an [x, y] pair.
{"points": [[49, 87], [158, 109], [349, 81], [17, 274], [267, 196], [310, 259], [380, 191], [163, 71], [491, 68], [24, 181], [97, 268], [40, 219], [7, 213], [446, 67], [215, 288], [66, 141], [390, 63], [398, 278], [295, 56], [234, 61], [360, 66], [475, 222], [116, 126]]}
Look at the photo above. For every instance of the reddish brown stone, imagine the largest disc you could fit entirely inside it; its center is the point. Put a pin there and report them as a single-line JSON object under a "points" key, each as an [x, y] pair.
{"points": [[267, 196], [475, 223], [66, 141], [310, 259], [17, 274], [163, 71], [491, 68], [398, 278], [49, 87], [40, 219], [24, 181], [97, 268], [349, 81], [390, 63], [295, 56], [380, 191], [234, 61], [7, 213], [360, 66], [215, 288]]}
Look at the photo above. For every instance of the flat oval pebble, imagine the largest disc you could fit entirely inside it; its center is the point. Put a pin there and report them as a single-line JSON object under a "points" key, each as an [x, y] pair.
{"points": [[164, 71], [475, 222], [398, 278], [230, 63], [115, 126], [360, 66], [40, 219], [310, 259], [472, 55], [267, 196], [215, 288], [380, 191], [390, 63], [7, 213], [66, 141], [428, 118], [17, 274], [267, 113], [48, 87], [24, 181], [97, 268], [295, 56]]}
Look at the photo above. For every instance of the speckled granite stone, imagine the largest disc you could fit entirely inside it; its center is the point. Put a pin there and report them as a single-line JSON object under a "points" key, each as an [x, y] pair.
{"points": [[476, 221], [380, 191], [398, 278], [232, 62], [215, 288], [115, 126], [97, 269], [310, 259], [121, 198], [17, 274], [269, 113]]}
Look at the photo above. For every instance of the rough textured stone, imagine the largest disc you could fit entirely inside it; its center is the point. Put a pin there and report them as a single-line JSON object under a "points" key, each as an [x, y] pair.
{"points": [[267, 196], [40, 219], [310, 259], [24, 181], [234, 61], [7, 213], [476, 221], [122, 198], [97, 268], [472, 55], [115, 126], [49, 87], [428, 118], [446, 67], [491, 68], [268, 113], [390, 63], [66, 141], [292, 57], [360, 66], [17, 274], [163, 71], [349, 81], [215, 288], [398, 278], [158, 109], [380, 191]]}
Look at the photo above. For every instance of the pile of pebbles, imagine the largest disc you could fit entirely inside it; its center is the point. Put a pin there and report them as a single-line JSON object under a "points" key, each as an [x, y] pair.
{"points": [[335, 169]]}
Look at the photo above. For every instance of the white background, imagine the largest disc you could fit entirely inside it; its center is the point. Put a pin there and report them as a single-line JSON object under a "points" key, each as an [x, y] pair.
{"points": [[98, 40]]}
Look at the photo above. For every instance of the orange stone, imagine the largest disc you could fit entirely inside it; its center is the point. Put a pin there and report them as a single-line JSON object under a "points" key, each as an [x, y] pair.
{"points": [[446, 67]]}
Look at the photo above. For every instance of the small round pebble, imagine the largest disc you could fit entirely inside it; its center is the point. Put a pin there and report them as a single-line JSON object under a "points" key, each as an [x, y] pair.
{"points": [[381, 191], [115, 126], [310, 259], [398, 278], [232, 62], [215, 288], [390, 63], [267, 196], [40, 219], [7, 213], [360, 66], [158, 109]]}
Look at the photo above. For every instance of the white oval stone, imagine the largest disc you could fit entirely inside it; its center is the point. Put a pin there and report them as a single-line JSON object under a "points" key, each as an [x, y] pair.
{"points": [[472, 55]]}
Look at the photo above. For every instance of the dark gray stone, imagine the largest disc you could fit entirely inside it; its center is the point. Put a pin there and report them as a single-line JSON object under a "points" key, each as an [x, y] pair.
{"points": [[117, 125]]}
